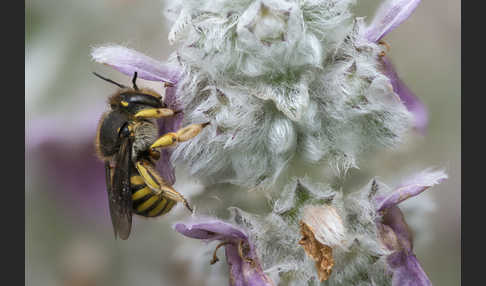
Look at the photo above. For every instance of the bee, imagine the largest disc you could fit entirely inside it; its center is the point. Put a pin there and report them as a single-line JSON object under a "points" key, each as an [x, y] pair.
{"points": [[127, 140]]}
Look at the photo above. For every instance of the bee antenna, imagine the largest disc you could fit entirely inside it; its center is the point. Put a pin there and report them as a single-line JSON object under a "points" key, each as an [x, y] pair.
{"points": [[134, 81], [109, 80]]}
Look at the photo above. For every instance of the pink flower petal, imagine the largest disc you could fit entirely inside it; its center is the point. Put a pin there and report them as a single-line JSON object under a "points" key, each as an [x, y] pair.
{"points": [[395, 233], [394, 219], [407, 270], [243, 272], [413, 103], [210, 229], [169, 124], [129, 61], [390, 14], [402, 262], [412, 187]]}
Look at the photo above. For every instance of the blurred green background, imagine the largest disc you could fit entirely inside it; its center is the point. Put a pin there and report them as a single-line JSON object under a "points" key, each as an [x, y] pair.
{"points": [[69, 240]]}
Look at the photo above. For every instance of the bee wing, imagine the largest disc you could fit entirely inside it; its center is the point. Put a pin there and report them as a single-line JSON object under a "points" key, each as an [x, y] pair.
{"points": [[119, 193]]}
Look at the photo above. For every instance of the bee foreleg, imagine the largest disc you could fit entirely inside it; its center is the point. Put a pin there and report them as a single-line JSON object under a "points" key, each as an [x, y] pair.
{"points": [[166, 140], [181, 135], [190, 131], [154, 113]]}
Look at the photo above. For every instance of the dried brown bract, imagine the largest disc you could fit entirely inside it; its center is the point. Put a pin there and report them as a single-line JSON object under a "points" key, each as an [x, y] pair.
{"points": [[320, 253]]}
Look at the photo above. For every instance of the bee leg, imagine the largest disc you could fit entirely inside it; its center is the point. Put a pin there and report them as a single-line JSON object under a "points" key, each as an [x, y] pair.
{"points": [[181, 135], [167, 140], [190, 131], [154, 113], [154, 154], [155, 182]]}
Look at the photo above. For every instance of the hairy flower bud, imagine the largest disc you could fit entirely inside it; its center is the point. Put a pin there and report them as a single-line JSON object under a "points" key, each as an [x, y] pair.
{"points": [[281, 82]]}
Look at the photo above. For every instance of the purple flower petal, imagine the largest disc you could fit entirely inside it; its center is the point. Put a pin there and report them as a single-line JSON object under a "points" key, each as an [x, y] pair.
{"points": [[390, 14], [211, 229], [394, 220], [412, 187], [165, 167], [128, 61], [407, 270], [244, 271], [169, 124], [413, 103], [395, 233]]}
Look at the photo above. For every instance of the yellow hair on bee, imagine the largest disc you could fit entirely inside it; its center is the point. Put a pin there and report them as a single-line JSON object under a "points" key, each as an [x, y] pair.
{"points": [[97, 143]]}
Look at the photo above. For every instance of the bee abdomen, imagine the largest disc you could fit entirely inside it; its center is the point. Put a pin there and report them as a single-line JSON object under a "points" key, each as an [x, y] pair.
{"points": [[145, 202]]}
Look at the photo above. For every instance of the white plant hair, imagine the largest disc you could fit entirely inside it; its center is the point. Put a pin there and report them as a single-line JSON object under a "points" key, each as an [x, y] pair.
{"points": [[280, 82], [358, 253]]}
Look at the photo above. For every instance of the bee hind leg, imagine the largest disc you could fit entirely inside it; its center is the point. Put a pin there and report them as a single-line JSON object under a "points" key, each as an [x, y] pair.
{"points": [[171, 193], [155, 182]]}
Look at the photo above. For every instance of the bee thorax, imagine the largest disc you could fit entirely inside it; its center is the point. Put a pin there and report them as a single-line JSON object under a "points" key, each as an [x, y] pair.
{"points": [[145, 133]]}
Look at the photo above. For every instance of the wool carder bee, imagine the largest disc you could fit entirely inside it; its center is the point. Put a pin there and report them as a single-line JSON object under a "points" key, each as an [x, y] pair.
{"points": [[127, 140]]}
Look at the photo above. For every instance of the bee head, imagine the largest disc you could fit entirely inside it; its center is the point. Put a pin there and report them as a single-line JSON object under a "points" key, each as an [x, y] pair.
{"points": [[133, 99]]}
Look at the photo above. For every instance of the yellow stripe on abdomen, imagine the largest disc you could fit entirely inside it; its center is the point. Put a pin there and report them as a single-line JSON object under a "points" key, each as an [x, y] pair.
{"points": [[170, 204], [147, 204], [158, 208], [141, 193]]}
